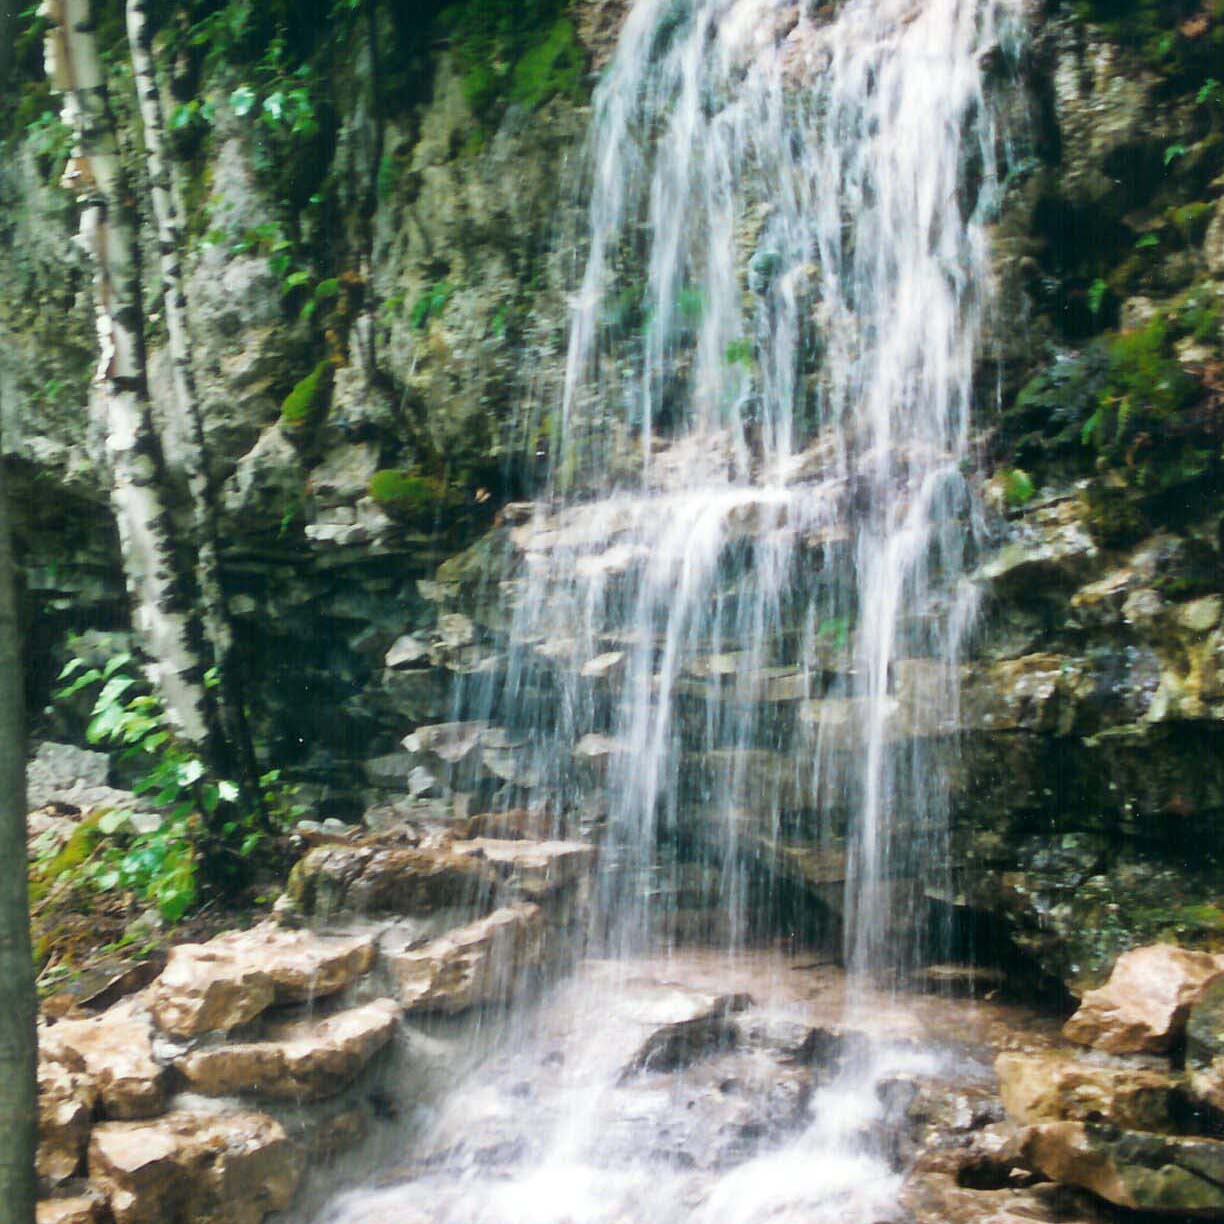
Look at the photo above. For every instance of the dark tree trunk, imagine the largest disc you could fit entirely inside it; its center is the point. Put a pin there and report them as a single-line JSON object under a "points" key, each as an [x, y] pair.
{"points": [[18, 1005]]}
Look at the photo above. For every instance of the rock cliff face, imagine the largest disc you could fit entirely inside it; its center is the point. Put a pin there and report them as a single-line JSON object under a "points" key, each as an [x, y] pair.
{"points": [[380, 337]]}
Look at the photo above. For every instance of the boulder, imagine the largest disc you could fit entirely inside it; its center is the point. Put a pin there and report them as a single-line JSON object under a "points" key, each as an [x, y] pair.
{"points": [[1144, 1005], [115, 1052], [66, 1100], [194, 1168], [481, 963], [303, 1060], [1161, 1174], [230, 980], [398, 880], [1054, 1087]]}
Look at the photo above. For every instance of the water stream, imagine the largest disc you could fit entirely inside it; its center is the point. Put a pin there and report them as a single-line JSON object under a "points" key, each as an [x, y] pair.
{"points": [[736, 614]]}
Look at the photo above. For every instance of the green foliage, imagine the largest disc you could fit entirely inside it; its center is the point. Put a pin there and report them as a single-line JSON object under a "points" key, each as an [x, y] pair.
{"points": [[306, 404], [1097, 292], [159, 864], [553, 66], [431, 304], [1018, 487], [508, 51], [741, 352], [195, 818], [1143, 374], [690, 305]]}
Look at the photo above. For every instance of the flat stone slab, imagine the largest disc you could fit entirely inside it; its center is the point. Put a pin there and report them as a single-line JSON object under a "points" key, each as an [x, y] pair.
{"points": [[302, 1060], [475, 965], [396, 880], [232, 979], [232, 1168], [115, 1051], [532, 868]]}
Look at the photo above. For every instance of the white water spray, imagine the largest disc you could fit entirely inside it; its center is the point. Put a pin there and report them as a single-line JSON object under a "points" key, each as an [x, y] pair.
{"points": [[740, 607]]}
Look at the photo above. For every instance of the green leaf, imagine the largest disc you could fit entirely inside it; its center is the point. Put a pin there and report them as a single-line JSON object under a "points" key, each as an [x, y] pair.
{"points": [[243, 100], [190, 772], [71, 667], [115, 663], [228, 791], [111, 822], [1173, 152], [1148, 240], [326, 289]]}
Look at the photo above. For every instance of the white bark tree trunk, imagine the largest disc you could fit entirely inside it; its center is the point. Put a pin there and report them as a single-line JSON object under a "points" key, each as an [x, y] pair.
{"points": [[217, 629], [160, 611]]}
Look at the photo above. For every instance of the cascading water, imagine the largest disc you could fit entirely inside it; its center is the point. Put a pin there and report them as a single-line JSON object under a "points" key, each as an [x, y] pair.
{"points": [[738, 610]]}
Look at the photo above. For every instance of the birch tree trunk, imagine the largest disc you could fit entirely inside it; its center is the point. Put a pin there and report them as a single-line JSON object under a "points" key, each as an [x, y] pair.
{"points": [[160, 608], [217, 629], [18, 1008]]}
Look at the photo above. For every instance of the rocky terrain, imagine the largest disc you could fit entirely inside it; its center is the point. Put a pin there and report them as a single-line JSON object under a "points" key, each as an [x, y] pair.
{"points": [[378, 459]]}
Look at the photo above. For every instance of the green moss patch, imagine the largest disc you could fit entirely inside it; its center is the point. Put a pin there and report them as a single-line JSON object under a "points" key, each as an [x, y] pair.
{"points": [[306, 405]]}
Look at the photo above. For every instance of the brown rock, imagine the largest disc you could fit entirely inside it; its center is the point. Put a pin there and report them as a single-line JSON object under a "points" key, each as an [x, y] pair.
{"points": [[1160, 1174], [1144, 1005], [66, 1101], [187, 1168], [1055, 1087], [303, 1060], [230, 980], [83, 1209], [477, 964], [532, 868], [115, 1050], [398, 880]]}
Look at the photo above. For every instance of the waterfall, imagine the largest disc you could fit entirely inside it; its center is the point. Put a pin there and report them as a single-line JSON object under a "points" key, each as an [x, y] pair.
{"points": [[744, 592], [736, 612]]}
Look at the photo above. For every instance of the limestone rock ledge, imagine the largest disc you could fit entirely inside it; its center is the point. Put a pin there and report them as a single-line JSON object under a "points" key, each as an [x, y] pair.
{"points": [[230, 1168]]}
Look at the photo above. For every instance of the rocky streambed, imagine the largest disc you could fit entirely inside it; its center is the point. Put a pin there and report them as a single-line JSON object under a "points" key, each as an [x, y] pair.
{"points": [[304, 1077]]}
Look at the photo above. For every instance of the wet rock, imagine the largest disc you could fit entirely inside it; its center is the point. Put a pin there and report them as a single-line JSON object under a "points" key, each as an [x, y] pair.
{"points": [[344, 475], [115, 1052], [188, 1168], [66, 1101], [686, 1041], [1162, 1174], [1055, 1087], [406, 651], [485, 962], [533, 869], [1144, 1005], [1051, 549], [303, 1060], [939, 1198], [371, 879], [232, 979]]}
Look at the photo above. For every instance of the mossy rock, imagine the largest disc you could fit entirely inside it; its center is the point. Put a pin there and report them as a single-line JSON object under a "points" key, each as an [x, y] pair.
{"points": [[407, 496], [306, 405]]}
